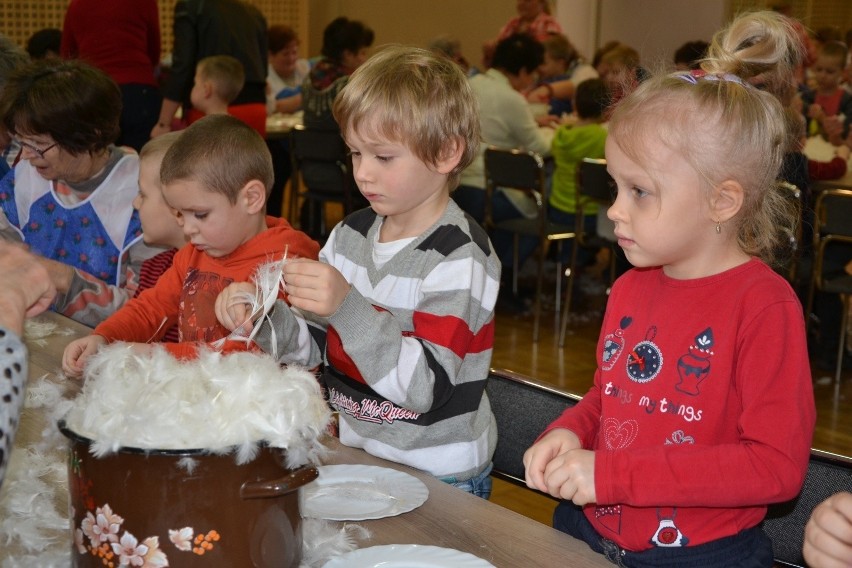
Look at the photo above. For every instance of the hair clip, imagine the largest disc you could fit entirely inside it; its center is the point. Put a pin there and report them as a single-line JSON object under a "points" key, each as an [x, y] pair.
{"points": [[695, 75]]}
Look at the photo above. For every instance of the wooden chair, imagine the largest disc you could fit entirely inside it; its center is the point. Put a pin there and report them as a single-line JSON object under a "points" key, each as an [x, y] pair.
{"points": [[785, 522], [832, 232], [321, 173], [524, 171], [523, 408], [594, 185]]}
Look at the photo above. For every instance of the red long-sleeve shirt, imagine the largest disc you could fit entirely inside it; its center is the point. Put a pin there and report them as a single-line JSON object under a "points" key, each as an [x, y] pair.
{"points": [[702, 409]]}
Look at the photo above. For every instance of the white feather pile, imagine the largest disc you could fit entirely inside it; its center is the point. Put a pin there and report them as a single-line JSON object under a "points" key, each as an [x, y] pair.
{"points": [[33, 504], [217, 403]]}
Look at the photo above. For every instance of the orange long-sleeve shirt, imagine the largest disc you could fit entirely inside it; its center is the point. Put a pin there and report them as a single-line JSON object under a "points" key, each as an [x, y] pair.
{"points": [[186, 293]]}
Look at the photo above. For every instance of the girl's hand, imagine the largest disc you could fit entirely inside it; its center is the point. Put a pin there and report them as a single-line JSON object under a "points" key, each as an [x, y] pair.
{"points": [[571, 476], [232, 310], [540, 454], [314, 286]]}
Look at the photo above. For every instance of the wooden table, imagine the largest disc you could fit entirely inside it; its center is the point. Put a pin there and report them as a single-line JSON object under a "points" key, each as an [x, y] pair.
{"points": [[449, 518], [452, 518], [279, 125]]}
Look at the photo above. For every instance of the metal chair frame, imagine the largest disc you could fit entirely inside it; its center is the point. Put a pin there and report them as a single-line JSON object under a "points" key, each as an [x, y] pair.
{"points": [[593, 183], [832, 225], [522, 170]]}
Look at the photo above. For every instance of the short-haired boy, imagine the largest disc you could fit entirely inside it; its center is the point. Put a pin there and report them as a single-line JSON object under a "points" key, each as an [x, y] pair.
{"points": [[215, 178], [218, 81], [585, 138], [829, 105], [400, 307], [159, 227]]}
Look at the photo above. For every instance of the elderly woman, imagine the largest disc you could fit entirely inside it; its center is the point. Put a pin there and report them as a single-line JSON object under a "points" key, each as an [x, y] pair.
{"points": [[69, 196]]}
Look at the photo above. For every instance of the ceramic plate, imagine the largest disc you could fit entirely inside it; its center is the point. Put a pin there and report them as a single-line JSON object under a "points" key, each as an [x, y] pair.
{"points": [[361, 492], [407, 556]]}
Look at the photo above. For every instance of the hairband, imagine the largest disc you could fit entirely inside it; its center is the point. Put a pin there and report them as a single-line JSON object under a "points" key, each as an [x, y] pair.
{"points": [[695, 75]]}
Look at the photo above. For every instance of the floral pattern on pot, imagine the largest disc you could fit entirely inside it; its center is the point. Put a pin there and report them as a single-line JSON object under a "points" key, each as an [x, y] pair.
{"points": [[98, 535]]}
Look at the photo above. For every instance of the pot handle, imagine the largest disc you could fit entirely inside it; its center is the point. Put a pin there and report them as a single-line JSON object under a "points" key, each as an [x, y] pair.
{"points": [[278, 487]]}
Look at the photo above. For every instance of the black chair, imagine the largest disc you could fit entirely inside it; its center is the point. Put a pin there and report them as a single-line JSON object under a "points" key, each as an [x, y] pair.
{"points": [[523, 408], [785, 522], [524, 171], [594, 185], [321, 173], [833, 235]]}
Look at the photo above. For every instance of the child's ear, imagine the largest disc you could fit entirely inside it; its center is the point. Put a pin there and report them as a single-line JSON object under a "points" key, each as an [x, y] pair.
{"points": [[450, 156], [253, 196], [726, 200]]}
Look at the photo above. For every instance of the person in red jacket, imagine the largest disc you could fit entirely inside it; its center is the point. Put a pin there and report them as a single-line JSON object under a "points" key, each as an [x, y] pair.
{"points": [[702, 409], [215, 177], [122, 39]]}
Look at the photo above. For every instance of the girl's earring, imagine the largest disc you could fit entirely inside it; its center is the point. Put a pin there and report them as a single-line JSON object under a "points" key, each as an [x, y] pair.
{"points": [[718, 227]]}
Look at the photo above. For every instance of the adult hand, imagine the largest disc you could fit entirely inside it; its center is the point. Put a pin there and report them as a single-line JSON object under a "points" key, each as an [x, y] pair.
{"points": [[26, 288], [314, 286], [61, 274], [828, 534]]}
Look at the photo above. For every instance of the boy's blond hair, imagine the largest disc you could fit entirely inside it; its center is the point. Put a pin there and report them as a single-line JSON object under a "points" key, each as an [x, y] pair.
{"points": [[157, 147], [220, 152], [414, 97], [226, 73]]}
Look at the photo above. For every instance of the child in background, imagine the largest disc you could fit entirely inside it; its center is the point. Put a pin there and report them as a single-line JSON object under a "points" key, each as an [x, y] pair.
{"points": [[159, 225], [829, 106], [572, 143], [215, 177], [834, 168], [218, 81], [400, 307], [562, 62], [702, 410]]}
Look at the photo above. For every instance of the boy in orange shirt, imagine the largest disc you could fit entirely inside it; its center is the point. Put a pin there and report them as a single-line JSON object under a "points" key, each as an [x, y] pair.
{"points": [[215, 178]]}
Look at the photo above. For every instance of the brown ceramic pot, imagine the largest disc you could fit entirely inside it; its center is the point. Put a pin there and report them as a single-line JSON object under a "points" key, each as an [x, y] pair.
{"points": [[146, 508]]}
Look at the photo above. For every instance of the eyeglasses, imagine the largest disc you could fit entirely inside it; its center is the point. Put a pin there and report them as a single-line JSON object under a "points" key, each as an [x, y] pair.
{"points": [[37, 151]]}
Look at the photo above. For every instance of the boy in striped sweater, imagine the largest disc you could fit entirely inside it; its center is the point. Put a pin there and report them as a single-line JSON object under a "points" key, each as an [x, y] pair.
{"points": [[400, 307]]}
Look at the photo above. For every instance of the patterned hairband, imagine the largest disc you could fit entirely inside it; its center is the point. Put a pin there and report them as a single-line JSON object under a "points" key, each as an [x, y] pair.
{"points": [[697, 74]]}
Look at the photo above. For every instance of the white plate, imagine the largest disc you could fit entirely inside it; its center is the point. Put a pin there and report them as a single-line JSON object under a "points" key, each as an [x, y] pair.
{"points": [[407, 556], [361, 492]]}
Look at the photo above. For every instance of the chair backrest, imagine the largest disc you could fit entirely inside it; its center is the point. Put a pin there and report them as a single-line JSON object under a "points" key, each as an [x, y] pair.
{"points": [[594, 183], [523, 408], [785, 522], [321, 161], [516, 169]]}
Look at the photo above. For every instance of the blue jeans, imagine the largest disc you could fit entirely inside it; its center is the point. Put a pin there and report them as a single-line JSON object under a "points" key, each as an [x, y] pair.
{"points": [[479, 485], [750, 548]]}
